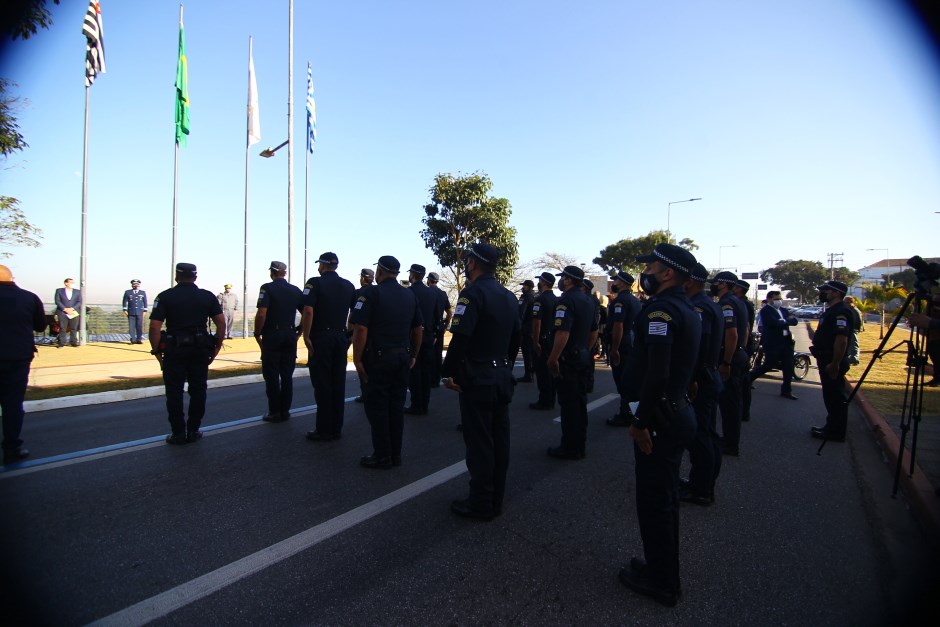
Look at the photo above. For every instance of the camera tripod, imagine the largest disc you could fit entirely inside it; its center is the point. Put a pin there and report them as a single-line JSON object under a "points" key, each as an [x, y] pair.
{"points": [[913, 386]]}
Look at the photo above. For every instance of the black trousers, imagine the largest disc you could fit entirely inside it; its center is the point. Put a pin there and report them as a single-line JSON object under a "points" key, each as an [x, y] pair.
{"points": [[528, 354], [572, 398], [438, 360], [278, 361], [419, 380], [834, 397], [705, 447], [657, 499], [777, 356], [69, 328], [544, 379], [14, 376], [385, 401], [730, 401], [617, 372], [327, 365], [187, 365], [484, 414]]}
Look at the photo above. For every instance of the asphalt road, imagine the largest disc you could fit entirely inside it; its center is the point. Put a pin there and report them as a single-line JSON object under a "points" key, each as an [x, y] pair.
{"points": [[254, 524]]}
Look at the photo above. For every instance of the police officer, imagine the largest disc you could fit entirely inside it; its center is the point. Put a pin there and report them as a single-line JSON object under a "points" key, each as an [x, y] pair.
{"points": [[419, 382], [366, 278], [134, 305], [526, 300], [740, 291], [485, 339], [658, 373], [21, 314], [387, 334], [543, 312], [187, 350], [279, 302], [433, 279], [229, 302], [705, 448], [326, 301], [621, 315], [732, 360], [830, 348], [587, 286], [570, 361]]}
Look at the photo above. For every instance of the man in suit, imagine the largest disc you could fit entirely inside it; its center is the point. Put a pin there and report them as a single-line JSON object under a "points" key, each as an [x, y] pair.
{"points": [[134, 305], [68, 302], [777, 341]]}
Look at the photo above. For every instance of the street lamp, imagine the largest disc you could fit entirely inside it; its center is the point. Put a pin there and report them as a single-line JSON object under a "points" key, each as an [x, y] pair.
{"points": [[719, 254], [269, 152], [669, 211], [887, 256]]}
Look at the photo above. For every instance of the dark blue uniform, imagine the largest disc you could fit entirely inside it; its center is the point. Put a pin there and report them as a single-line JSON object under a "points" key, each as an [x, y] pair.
{"points": [[526, 301], [485, 338], [750, 347], [330, 296], [440, 328], [186, 309], [623, 311], [705, 448], [731, 398], [543, 309], [134, 303], [279, 344], [575, 313], [21, 313], [836, 321], [658, 373], [389, 312], [419, 380]]}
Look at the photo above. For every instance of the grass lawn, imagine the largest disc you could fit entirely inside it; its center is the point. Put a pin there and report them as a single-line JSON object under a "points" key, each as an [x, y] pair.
{"points": [[885, 383]]}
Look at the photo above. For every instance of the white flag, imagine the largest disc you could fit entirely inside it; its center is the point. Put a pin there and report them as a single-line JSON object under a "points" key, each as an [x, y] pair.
{"points": [[254, 114]]}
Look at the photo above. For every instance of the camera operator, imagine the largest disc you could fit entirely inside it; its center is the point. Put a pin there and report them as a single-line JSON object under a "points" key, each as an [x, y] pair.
{"points": [[930, 322]]}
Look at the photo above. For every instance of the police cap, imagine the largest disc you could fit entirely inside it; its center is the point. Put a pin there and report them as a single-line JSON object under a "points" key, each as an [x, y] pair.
{"points": [[671, 255], [699, 273], [725, 277], [367, 273], [329, 259], [625, 277], [588, 283], [528, 283], [185, 268], [280, 266], [389, 264], [838, 286], [573, 272], [137, 281], [485, 253], [744, 285], [548, 277], [418, 269], [434, 276]]}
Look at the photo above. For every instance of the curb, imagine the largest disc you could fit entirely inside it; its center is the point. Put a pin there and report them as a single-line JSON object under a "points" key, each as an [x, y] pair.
{"points": [[918, 488], [64, 402]]}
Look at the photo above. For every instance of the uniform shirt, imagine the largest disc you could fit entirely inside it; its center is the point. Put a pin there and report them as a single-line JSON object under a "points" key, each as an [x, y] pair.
{"points": [[21, 313], [734, 314], [430, 306], [836, 321], [282, 301], [712, 330], [134, 302], [331, 296], [390, 311], [228, 300], [487, 314], [667, 322], [624, 309], [544, 309], [526, 301], [574, 312], [444, 304], [185, 307]]}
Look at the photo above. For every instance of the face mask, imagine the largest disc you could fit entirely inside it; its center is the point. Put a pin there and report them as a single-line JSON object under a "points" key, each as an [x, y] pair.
{"points": [[649, 284], [466, 270], [713, 289], [614, 289], [777, 304], [823, 296]]}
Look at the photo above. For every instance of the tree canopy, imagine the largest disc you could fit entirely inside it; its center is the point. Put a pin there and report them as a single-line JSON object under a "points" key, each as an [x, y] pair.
{"points": [[22, 18], [461, 213], [798, 276], [622, 255]]}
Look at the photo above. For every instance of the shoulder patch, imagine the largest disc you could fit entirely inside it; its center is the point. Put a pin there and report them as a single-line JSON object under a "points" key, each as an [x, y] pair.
{"points": [[464, 300], [658, 328], [459, 309], [361, 299], [659, 314], [727, 313], [358, 304]]}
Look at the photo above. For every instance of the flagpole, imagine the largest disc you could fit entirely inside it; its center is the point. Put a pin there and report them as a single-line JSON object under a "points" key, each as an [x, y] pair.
{"points": [[245, 261], [176, 176], [83, 270], [306, 206], [290, 142]]}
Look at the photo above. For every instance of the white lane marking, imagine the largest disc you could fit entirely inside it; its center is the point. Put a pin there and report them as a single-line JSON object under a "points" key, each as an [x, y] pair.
{"points": [[595, 404], [175, 598]]}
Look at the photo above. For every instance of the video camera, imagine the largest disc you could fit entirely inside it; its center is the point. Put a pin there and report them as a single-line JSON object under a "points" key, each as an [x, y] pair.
{"points": [[926, 274]]}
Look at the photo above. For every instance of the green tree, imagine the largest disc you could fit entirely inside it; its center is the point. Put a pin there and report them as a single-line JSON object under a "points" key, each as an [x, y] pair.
{"points": [[882, 295], [906, 278], [14, 229], [800, 277], [462, 213], [22, 18], [622, 255], [849, 277]]}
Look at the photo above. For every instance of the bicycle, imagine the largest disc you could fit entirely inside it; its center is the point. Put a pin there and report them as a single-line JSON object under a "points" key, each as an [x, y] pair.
{"points": [[801, 361]]}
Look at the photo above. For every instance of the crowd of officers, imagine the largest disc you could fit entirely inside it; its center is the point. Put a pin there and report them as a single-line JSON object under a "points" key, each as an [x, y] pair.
{"points": [[680, 354]]}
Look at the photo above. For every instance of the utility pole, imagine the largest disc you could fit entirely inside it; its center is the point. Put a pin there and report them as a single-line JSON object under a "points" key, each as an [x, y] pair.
{"points": [[833, 258]]}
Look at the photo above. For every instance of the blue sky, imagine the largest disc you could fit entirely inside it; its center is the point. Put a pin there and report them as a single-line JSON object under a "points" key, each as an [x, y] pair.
{"points": [[806, 127]]}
